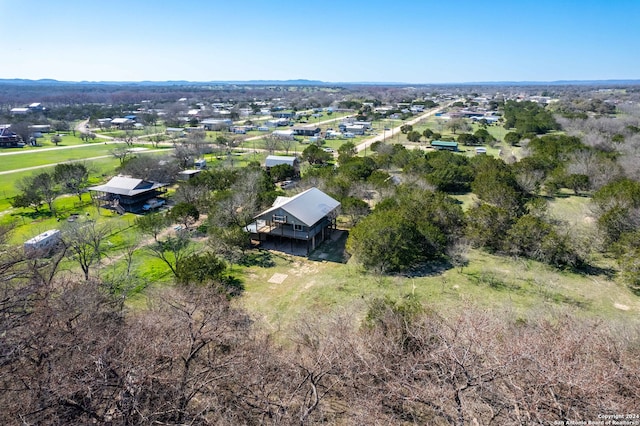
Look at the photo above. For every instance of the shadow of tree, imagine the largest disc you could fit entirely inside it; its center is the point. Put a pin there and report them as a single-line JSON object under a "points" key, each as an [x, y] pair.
{"points": [[33, 215], [233, 286], [261, 258]]}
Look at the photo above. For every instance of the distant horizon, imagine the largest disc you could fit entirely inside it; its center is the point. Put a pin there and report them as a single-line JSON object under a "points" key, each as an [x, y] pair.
{"points": [[309, 81]]}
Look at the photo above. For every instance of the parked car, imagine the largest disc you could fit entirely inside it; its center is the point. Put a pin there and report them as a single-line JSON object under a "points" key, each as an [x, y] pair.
{"points": [[154, 203], [287, 184]]}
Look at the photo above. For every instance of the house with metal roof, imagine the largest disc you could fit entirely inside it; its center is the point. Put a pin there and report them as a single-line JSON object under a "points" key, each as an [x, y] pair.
{"points": [[216, 123], [445, 145], [126, 194], [306, 219], [275, 160], [122, 122], [9, 139], [306, 130]]}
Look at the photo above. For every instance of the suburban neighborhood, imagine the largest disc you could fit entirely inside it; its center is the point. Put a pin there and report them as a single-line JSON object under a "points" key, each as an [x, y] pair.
{"points": [[303, 252]]}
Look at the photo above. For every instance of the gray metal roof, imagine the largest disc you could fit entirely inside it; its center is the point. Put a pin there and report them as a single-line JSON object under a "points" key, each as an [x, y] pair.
{"points": [[274, 160], [308, 207], [121, 185]]}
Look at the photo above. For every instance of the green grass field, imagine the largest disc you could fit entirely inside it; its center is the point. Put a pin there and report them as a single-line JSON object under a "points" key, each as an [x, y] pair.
{"points": [[490, 282], [39, 158]]}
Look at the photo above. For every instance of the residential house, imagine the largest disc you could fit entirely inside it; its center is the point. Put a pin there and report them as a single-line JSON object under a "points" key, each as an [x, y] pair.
{"points": [[9, 139], [185, 175], [356, 129], [175, 131], [280, 122], [306, 130], [122, 122], [126, 194], [283, 114], [305, 219], [36, 107], [104, 122], [274, 160], [283, 134], [445, 145], [216, 123]]}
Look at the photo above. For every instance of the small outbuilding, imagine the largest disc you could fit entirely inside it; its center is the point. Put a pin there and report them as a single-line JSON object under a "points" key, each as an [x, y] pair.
{"points": [[445, 145], [274, 160], [43, 243]]}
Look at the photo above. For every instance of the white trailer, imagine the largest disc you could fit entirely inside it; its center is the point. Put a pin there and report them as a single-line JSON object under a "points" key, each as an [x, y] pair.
{"points": [[43, 242]]}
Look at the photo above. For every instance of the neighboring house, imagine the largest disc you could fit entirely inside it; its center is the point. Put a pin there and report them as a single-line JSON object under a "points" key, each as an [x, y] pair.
{"points": [[283, 114], [216, 123], [104, 122], [20, 111], [366, 124], [185, 175], [38, 129], [279, 122], [9, 139], [445, 145], [125, 194], [332, 134], [122, 122], [283, 134], [274, 160], [175, 131], [306, 130], [356, 129], [307, 218]]}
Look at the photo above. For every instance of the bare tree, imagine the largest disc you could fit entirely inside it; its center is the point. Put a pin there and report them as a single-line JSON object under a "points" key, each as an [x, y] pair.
{"points": [[271, 143], [287, 144], [129, 138], [121, 153], [84, 241]]}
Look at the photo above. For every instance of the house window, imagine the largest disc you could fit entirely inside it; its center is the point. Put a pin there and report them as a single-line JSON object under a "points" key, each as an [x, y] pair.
{"points": [[278, 218], [297, 227]]}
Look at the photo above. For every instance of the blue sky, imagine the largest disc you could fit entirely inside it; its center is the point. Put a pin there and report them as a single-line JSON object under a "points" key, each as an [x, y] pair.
{"points": [[419, 41]]}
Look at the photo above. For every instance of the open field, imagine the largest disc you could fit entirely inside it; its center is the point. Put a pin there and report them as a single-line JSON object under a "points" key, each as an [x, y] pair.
{"points": [[34, 158], [283, 293]]}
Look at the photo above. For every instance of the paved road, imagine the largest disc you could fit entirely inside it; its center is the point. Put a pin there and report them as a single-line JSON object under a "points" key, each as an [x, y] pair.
{"points": [[395, 130]]}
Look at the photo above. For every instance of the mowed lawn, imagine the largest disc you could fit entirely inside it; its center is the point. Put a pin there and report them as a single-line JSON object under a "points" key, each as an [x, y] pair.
{"points": [[52, 156]]}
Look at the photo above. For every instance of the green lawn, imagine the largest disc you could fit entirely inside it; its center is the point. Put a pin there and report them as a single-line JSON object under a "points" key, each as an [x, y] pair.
{"points": [[99, 169], [35, 158]]}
